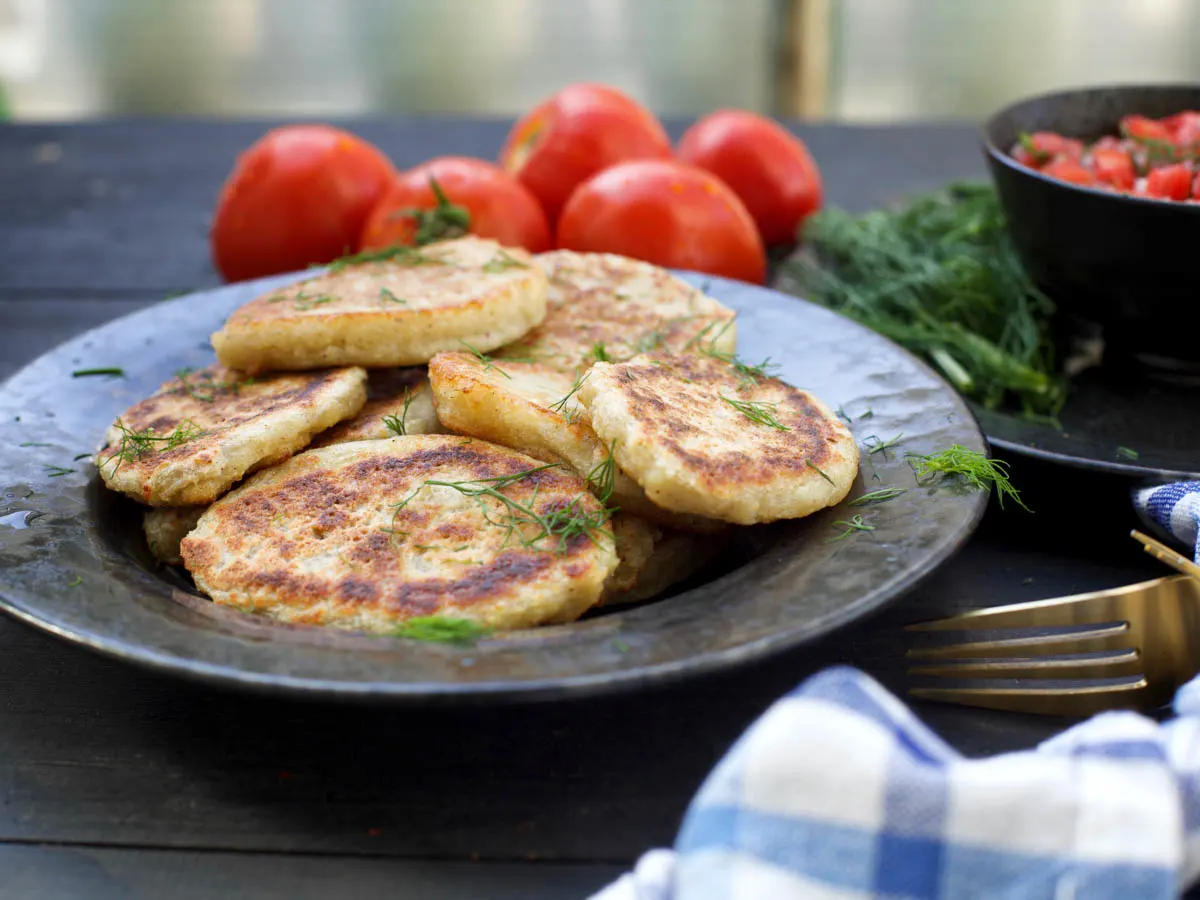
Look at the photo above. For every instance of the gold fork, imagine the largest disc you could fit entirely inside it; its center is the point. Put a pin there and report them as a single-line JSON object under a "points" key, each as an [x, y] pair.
{"points": [[1124, 648]]}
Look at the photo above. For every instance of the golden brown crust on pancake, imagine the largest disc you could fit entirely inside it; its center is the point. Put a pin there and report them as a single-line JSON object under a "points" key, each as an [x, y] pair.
{"points": [[680, 434], [399, 402], [356, 536], [674, 557], [395, 312], [624, 306], [203, 431]]}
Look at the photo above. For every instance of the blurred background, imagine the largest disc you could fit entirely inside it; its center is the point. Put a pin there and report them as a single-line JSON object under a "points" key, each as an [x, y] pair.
{"points": [[852, 60]]}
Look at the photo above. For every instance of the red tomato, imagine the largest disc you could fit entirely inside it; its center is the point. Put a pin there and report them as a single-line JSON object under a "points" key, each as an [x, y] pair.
{"points": [[481, 198], [1196, 187], [767, 167], [1142, 128], [1184, 128], [1170, 182], [1114, 167], [298, 196], [581, 130], [1071, 171], [1037, 149], [667, 213]]}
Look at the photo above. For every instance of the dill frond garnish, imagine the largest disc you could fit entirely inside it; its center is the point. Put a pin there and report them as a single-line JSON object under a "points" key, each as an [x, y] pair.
{"points": [[879, 496], [809, 463], [56, 471], [441, 630], [34, 444], [488, 361], [941, 278], [503, 261], [397, 425], [1127, 453], [559, 525], [398, 253], [107, 370], [559, 406], [386, 296], [203, 387], [303, 302], [972, 466], [851, 526], [138, 444], [445, 221], [603, 477], [75, 582], [876, 444], [600, 353], [759, 411]]}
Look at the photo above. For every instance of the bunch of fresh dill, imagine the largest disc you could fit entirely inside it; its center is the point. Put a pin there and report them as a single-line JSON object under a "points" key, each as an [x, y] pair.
{"points": [[940, 277]]}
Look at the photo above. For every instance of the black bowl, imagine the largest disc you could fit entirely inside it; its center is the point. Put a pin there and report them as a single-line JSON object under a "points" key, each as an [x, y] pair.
{"points": [[1118, 261]]}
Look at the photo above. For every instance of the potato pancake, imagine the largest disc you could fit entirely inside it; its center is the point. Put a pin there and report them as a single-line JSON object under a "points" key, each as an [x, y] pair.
{"points": [[535, 408], [166, 526], [370, 534], [704, 436], [393, 307], [606, 307], [399, 402], [204, 430]]}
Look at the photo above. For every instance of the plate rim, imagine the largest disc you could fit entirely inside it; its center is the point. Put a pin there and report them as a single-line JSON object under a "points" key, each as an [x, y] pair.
{"points": [[620, 681]]}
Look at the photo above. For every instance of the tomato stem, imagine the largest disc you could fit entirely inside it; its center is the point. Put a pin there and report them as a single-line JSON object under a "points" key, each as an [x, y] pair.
{"points": [[446, 220]]}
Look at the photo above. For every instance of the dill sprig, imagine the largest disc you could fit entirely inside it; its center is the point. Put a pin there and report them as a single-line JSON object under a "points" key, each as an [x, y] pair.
{"points": [[116, 371], [559, 525], [441, 630], [600, 353], [398, 424], [759, 411], [446, 220], [386, 296], [722, 326], [488, 361], [879, 496], [1127, 453], [560, 406], [56, 471], [851, 526], [503, 261], [970, 465], [303, 302], [602, 479], [397, 253], [940, 277], [819, 471], [876, 444], [138, 444]]}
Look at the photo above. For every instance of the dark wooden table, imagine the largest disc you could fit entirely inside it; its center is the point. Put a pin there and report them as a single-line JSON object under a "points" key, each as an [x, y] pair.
{"points": [[116, 783]]}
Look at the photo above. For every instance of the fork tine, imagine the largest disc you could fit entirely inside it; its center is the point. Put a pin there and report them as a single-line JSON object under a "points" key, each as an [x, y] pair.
{"points": [[1080, 701], [1109, 665], [1112, 637], [1077, 609]]}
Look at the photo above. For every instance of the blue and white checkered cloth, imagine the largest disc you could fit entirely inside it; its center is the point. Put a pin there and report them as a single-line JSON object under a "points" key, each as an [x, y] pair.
{"points": [[838, 792]]}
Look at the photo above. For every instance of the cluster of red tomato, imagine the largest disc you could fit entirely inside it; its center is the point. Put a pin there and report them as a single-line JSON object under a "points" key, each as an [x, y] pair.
{"points": [[1151, 158], [589, 169]]}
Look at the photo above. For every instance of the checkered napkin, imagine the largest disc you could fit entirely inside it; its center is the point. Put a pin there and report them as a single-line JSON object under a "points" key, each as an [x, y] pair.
{"points": [[839, 792]]}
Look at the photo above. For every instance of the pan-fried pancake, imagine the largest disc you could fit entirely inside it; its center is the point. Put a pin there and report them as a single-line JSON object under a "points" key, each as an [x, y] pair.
{"points": [[702, 436], [203, 431], [607, 307], [673, 557], [165, 527], [393, 307], [535, 408], [366, 535], [399, 402]]}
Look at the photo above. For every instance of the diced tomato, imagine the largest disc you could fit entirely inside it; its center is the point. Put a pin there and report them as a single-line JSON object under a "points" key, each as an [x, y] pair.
{"points": [[1113, 167], [1170, 182], [1037, 149], [1141, 128], [1185, 129], [1068, 170]]}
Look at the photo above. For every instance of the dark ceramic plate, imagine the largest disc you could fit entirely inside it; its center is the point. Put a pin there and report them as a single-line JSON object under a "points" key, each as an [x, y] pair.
{"points": [[73, 560], [1123, 423]]}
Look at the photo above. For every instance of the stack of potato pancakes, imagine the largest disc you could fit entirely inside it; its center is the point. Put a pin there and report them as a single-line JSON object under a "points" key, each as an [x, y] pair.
{"points": [[465, 430]]}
